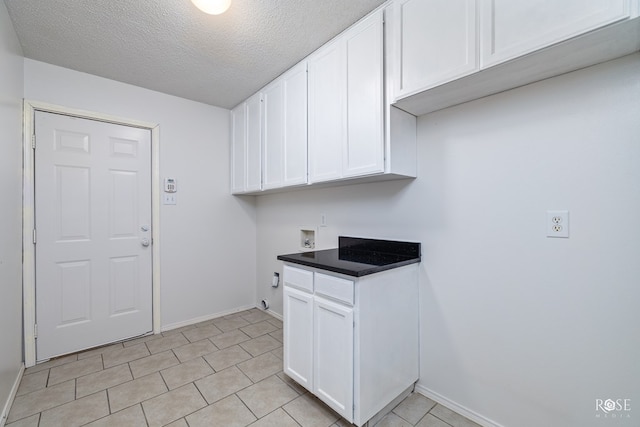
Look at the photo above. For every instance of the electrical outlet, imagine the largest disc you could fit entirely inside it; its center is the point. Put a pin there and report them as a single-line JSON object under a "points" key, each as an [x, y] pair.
{"points": [[170, 199], [557, 223]]}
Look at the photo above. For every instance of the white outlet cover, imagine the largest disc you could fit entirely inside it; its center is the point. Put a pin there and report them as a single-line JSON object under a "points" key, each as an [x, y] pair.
{"points": [[558, 224]]}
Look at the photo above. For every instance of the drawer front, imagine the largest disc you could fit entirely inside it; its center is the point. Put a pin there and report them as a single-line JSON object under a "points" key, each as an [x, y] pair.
{"points": [[335, 287], [298, 278]]}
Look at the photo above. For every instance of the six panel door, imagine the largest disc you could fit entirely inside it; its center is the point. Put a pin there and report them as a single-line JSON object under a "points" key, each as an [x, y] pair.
{"points": [[93, 227]]}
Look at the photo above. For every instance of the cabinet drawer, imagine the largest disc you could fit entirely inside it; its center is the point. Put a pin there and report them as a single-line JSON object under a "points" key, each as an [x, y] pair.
{"points": [[334, 287], [298, 278]]}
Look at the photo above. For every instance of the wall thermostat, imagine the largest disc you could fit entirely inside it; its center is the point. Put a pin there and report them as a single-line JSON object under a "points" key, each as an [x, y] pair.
{"points": [[170, 185]]}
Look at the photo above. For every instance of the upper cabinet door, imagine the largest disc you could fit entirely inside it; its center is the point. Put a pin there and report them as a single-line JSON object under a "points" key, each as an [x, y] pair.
{"points": [[238, 148], [327, 112], [363, 152], [295, 126], [513, 28], [285, 130], [435, 42], [274, 135], [346, 104], [254, 143]]}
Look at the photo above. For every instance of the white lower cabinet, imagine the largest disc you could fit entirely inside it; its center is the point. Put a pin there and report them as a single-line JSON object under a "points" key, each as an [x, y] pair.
{"points": [[352, 342], [298, 355], [333, 362]]}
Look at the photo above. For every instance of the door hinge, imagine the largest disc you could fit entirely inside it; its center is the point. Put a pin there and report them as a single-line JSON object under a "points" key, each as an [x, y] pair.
{"points": [[34, 236], [33, 142], [35, 330]]}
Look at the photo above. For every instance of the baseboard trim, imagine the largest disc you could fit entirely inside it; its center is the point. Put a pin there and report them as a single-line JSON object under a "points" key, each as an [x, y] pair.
{"points": [[12, 395], [276, 315], [195, 320], [462, 410]]}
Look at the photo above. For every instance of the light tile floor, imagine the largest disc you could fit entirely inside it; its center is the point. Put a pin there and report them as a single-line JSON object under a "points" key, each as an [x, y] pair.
{"points": [[223, 372]]}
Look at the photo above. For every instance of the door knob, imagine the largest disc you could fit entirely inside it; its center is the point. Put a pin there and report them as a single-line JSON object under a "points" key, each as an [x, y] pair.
{"points": [[145, 242]]}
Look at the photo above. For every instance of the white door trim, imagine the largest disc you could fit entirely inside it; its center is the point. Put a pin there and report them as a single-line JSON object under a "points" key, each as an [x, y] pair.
{"points": [[28, 218]]}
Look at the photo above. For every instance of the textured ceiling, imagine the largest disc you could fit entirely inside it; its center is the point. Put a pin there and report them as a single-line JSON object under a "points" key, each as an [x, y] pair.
{"points": [[172, 47]]}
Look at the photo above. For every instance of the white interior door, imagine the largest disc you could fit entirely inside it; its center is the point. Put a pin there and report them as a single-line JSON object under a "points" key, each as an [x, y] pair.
{"points": [[93, 233]]}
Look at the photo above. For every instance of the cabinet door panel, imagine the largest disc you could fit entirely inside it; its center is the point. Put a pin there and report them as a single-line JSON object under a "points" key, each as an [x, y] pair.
{"points": [[437, 42], [274, 135], [363, 152], [295, 141], [254, 143], [333, 356], [514, 28], [297, 334], [238, 148], [327, 127], [285, 130]]}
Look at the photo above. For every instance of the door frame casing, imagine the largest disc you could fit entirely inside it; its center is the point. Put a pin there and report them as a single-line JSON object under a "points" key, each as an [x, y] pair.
{"points": [[28, 213]]}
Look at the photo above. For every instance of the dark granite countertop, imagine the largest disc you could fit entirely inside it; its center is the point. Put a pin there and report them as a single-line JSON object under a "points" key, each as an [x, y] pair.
{"points": [[358, 257]]}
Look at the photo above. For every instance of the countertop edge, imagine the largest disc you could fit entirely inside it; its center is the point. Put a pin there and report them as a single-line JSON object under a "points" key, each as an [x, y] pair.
{"points": [[352, 273]]}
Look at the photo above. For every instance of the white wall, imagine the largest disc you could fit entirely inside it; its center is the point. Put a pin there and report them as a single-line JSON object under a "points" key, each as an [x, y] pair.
{"points": [[11, 88], [207, 240], [518, 328]]}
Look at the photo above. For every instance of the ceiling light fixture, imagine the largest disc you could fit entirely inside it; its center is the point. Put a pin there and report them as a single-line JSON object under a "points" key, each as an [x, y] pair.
{"points": [[212, 7]]}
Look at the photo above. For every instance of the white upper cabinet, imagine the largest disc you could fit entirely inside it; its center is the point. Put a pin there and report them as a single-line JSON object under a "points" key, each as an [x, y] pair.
{"points": [[346, 126], [446, 52], [246, 146], [435, 42], [326, 120], [238, 148], [363, 151], [285, 130], [327, 112], [510, 29], [254, 143]]}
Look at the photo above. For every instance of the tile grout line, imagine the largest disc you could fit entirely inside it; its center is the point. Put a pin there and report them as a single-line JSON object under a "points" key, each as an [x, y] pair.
{"points": [[245, 405], [144, 414], [290, 415], [182, 335]]}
